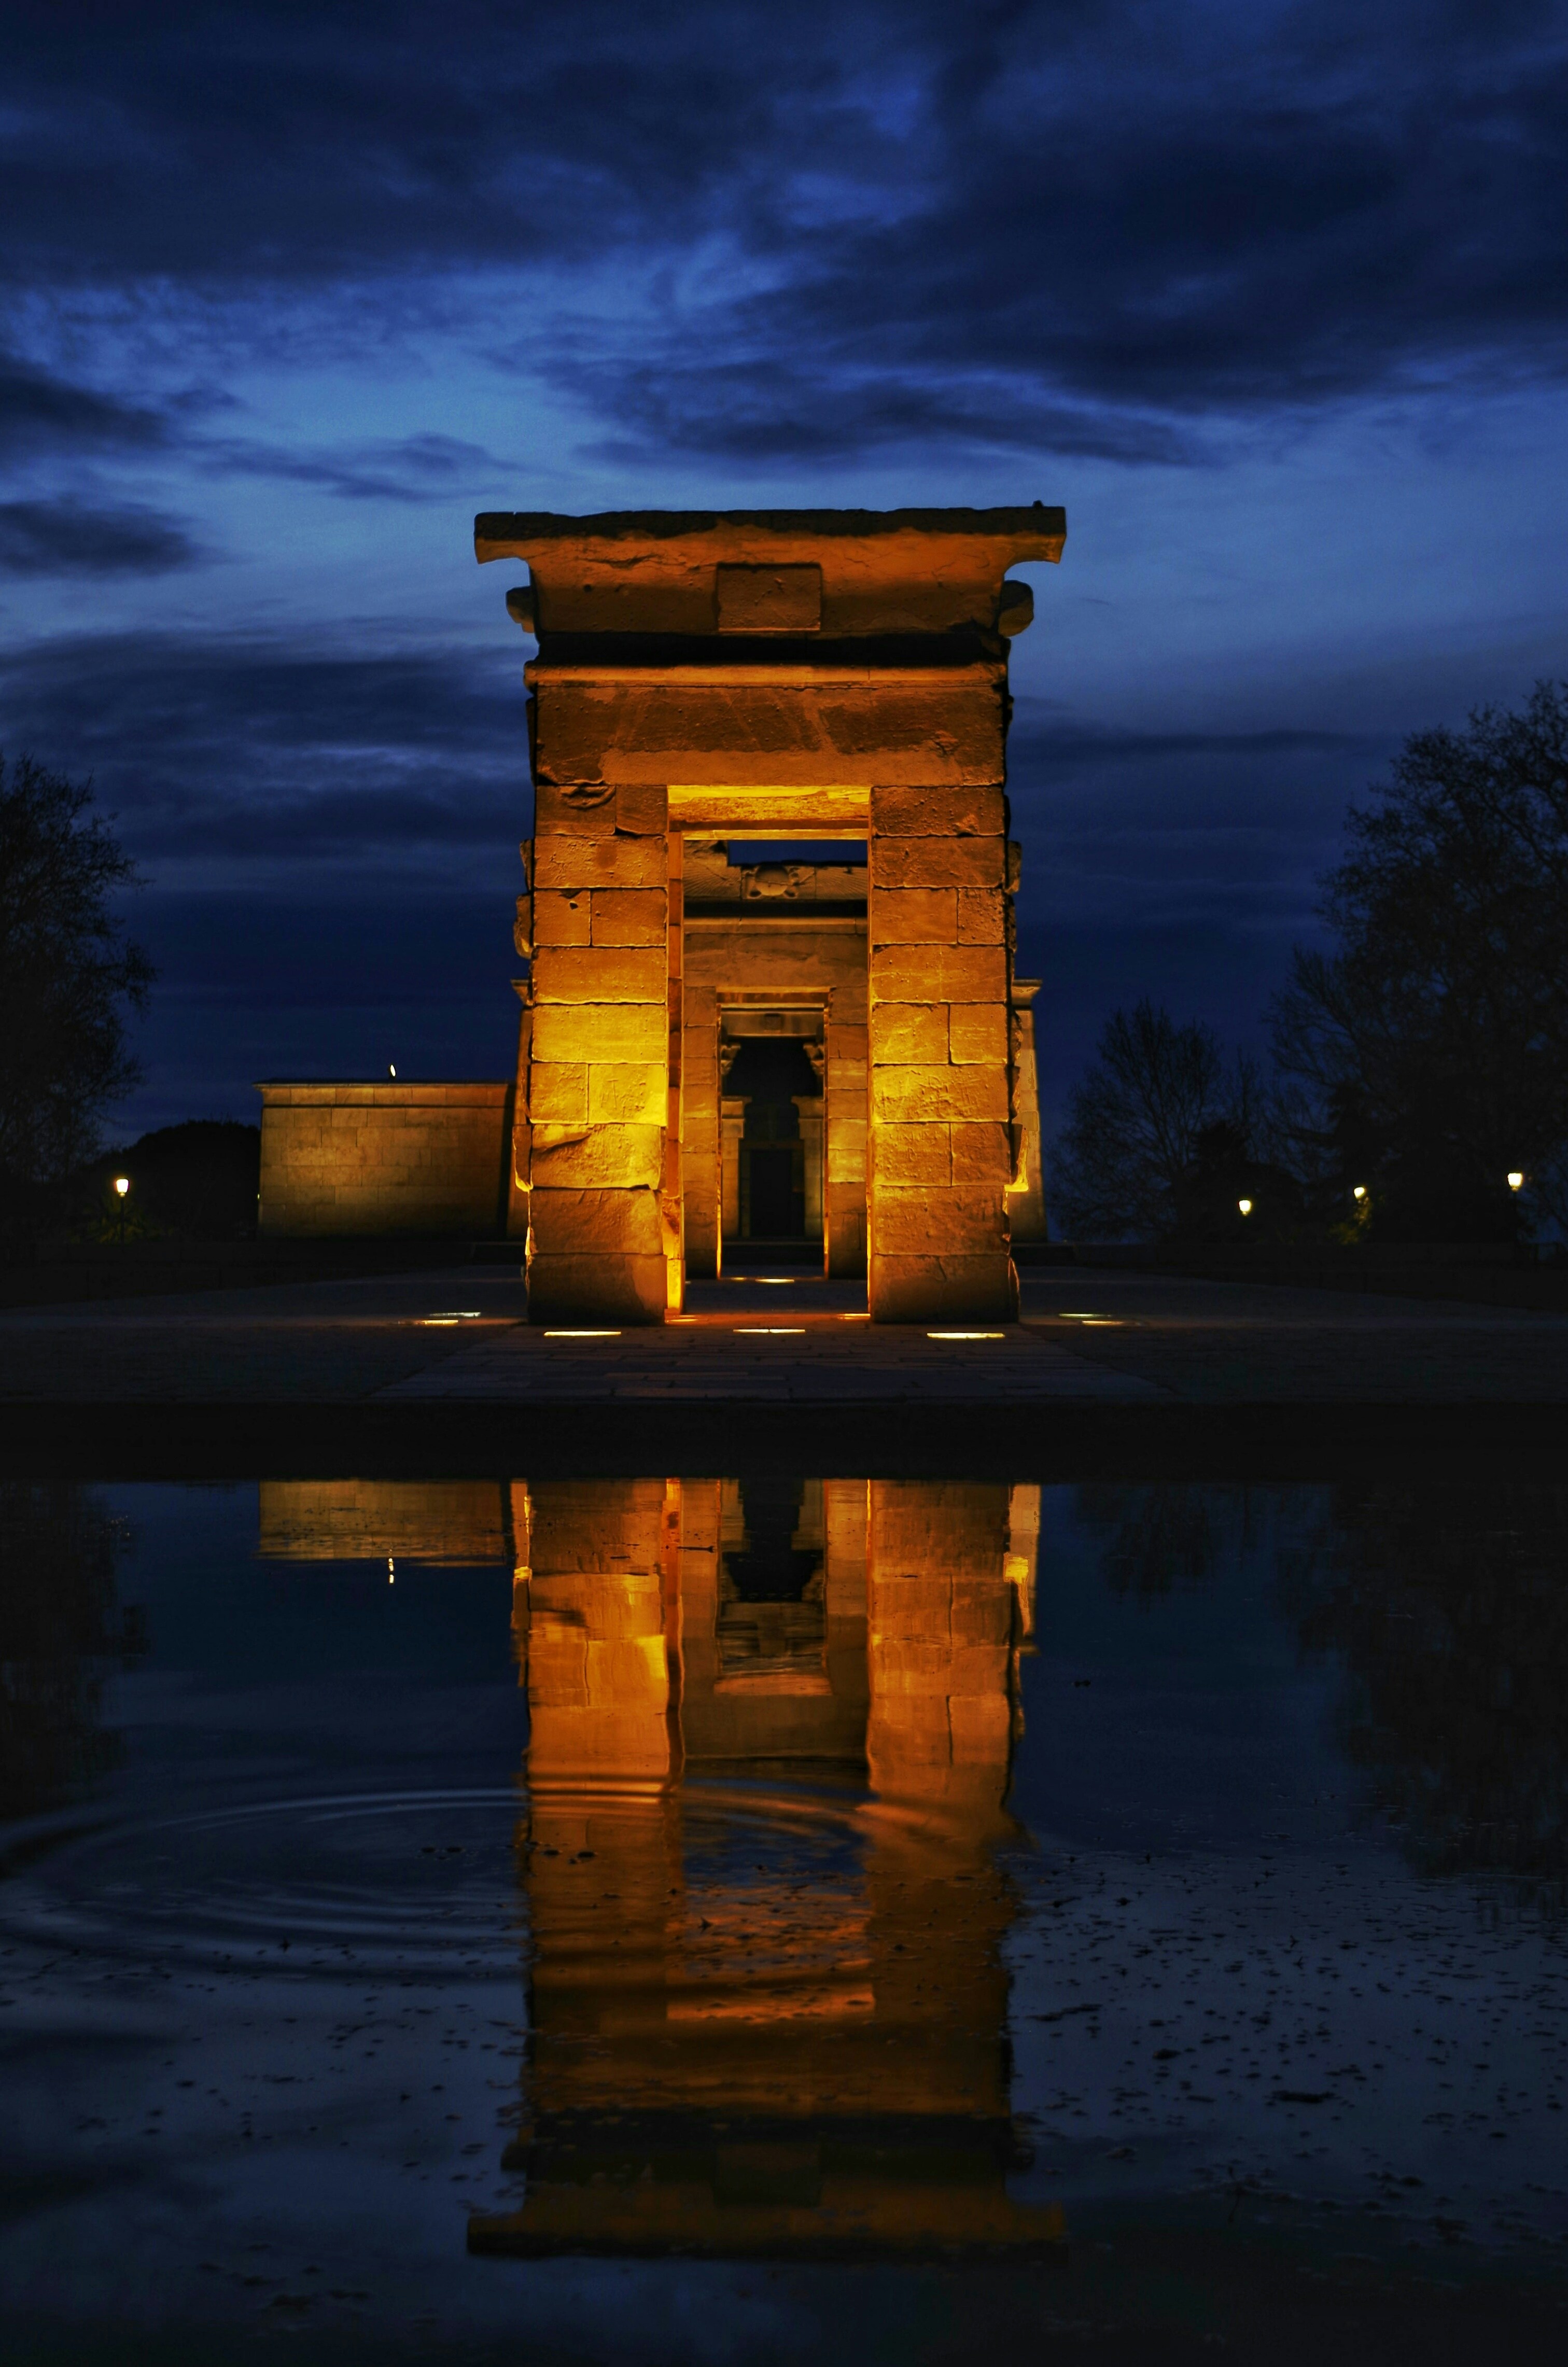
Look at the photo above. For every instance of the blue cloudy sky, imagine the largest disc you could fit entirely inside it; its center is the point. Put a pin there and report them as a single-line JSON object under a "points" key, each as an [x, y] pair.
{"points": [[1274, 297]]}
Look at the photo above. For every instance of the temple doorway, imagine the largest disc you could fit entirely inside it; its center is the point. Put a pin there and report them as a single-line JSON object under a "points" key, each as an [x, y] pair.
{"points": [[772, 1127], [772, 1078]]}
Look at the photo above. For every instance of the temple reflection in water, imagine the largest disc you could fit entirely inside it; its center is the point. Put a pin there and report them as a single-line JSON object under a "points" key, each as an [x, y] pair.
{"points": [[771, 1724]]}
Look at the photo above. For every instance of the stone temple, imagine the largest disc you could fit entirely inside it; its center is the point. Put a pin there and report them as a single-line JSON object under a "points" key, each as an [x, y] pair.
{"points": [[767, 915]]}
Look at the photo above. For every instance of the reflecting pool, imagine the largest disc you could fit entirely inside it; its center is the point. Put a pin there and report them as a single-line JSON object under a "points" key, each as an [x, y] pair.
{"points": [[735, 1918]]}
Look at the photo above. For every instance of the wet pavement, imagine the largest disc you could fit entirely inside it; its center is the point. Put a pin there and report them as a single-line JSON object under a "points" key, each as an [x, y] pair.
{"points": [[732, 1919]]}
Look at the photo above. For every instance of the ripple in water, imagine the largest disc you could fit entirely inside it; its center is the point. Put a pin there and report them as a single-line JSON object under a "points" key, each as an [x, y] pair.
{"points": [[416, 1883]]}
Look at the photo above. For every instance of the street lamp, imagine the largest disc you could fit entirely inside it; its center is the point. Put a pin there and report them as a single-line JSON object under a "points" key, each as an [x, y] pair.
{"points": [[121, 1186], [1516, 1179], [1245, 1208], [1358, 1192]]}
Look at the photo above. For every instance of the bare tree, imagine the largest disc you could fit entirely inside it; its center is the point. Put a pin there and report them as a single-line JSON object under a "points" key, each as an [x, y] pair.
{"points": [[1152, 1104]]}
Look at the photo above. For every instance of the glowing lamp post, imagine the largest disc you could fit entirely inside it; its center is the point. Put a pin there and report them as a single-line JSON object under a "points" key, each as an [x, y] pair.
{"points": [[121, 1187], [1359, 1193], [1245, 1208], [1516, 1179]]}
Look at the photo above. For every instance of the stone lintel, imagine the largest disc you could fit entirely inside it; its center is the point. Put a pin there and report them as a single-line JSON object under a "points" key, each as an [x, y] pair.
{"points": [[939, 730], [755, 571], [768, 809]]}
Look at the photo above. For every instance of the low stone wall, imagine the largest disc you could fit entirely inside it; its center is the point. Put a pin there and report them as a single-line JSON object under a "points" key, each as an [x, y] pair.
{"points": [[393, 1158]]}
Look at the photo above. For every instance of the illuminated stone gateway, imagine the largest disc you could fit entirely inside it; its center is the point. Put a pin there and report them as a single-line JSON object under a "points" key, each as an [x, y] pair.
{"points": [[769, 918]]}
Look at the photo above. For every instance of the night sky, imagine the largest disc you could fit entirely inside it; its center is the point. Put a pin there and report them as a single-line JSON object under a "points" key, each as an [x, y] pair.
{"points": [[1273, 298]]}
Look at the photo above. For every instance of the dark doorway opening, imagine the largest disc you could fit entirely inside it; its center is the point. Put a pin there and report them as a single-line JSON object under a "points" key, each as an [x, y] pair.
{"points": [[770, 1073]]}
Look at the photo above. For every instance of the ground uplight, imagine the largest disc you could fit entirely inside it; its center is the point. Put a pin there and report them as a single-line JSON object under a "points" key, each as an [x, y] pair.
{"points": [[769, 1330], [966, 1335], [582, 1335]]}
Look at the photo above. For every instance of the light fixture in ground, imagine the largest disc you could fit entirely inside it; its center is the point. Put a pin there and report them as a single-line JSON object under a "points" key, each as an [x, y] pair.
{"points": [[769, 1330], [582, 1335], [1245, 1208], [1516, 1179], [966, 1335]]}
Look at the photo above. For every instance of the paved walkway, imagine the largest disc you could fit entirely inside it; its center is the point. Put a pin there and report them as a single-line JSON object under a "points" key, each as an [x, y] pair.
{"points": [[1225, 1343], [1097, 1339], [802, 1344]]}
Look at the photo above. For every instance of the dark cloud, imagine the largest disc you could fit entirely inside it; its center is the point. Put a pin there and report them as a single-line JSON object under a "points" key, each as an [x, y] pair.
{"points": [[227, 751], [1132, 831], [1030, 227], [79, 538], [330, 835], [766, 411], [43, 414], [412, 469], [1073, 744]]}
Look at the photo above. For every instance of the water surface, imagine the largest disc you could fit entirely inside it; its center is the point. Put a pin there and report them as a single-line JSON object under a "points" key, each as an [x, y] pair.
{"points": [[660, 1918]]}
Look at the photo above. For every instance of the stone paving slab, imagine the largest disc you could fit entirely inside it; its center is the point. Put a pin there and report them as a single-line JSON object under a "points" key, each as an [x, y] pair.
{"points": [[827, 1359], [1100, 1339]]}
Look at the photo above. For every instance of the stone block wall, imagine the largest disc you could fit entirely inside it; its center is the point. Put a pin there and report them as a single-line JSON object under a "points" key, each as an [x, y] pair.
{"points": [[1026, 1200], [844, 1114], [941, 1640], [597, 1089], [393, 1158], [597, 1650], [940, 1070]]}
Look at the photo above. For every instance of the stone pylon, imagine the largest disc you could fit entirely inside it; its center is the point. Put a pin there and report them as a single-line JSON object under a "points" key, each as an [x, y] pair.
{"points": [[712, 682]]}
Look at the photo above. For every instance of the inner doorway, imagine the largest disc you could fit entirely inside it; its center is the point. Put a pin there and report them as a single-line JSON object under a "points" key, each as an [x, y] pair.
{"points": [[772, 1076], [772, 1125]]}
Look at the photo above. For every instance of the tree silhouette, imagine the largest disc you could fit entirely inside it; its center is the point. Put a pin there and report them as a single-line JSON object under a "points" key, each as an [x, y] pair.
{"points": [[1158, 1131], [67, 976], [1429, 1048]]}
